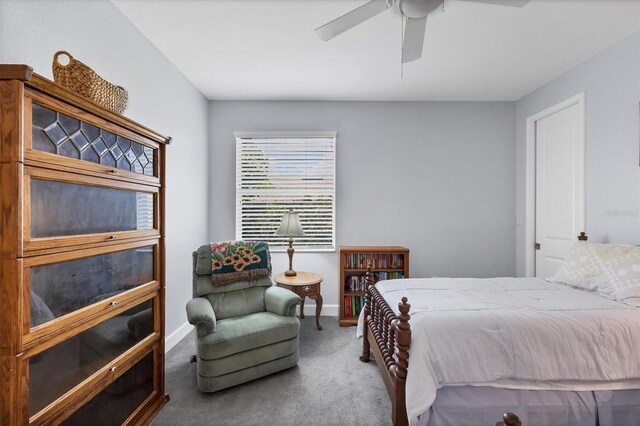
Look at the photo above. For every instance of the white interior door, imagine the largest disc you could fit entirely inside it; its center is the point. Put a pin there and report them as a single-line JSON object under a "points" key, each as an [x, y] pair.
{"points": [[559, 186]]}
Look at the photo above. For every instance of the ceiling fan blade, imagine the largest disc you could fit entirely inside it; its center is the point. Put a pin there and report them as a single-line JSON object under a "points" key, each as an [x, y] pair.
{"points": [[353, 18], [512, 3], [414, 32]]}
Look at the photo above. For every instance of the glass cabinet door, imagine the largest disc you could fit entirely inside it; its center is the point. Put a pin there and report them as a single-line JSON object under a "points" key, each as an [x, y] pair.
{"points": [[120, 399], [63, 287], [65, 209], [60, 368], [62, 209]]}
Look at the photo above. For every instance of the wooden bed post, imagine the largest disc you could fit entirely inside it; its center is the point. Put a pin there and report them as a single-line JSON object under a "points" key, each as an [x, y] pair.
{"points": [[366, 352], [399, 370], [390, 335], [509, 419]]}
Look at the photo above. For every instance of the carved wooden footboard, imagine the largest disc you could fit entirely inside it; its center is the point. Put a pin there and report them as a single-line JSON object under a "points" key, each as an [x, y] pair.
{"points": [[391, 338]]}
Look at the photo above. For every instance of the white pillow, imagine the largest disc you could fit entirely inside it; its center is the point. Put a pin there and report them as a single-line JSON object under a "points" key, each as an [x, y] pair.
{"points": [[620, 275], [579, 268], [610, 269]]}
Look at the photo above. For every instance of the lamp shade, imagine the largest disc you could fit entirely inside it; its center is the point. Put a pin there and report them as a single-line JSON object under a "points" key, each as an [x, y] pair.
{"points": [[290, 226]]}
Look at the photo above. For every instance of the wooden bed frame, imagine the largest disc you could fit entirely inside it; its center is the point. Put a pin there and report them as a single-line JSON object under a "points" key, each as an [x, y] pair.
{"points": [[391, 335], [391, 338]]}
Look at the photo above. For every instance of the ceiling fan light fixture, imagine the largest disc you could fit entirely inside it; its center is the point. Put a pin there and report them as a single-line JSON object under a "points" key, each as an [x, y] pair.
{"points": [[418, 8]]}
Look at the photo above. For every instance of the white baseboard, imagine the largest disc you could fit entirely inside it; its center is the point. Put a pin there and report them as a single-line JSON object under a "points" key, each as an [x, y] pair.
{"points": [[327, 310], [172, 339]]}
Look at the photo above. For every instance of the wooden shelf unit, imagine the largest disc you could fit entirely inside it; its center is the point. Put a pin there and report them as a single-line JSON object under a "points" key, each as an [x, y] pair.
{"points": [[82, 269], [393, 261]]}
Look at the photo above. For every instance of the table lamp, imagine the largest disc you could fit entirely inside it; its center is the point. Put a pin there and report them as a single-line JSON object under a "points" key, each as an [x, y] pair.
{"points": [[290, 227]]}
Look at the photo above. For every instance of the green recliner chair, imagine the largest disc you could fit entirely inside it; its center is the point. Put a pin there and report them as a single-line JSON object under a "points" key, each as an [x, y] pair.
{"points": [[245, 330]]}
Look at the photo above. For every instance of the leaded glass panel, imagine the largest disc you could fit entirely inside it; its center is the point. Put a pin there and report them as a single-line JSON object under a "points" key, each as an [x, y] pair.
{"points": [[57, 133]]}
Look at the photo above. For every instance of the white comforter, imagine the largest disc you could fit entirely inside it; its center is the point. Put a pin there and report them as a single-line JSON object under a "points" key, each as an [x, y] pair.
{"points": [[520, 333]]}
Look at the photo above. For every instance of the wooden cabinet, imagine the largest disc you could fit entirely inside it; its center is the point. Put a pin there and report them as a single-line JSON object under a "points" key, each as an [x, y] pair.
{"points": [[81, 259], [387, 262]]}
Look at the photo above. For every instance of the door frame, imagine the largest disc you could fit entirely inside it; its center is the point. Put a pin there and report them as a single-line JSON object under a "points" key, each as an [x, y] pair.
{"points": [[530, 174]]}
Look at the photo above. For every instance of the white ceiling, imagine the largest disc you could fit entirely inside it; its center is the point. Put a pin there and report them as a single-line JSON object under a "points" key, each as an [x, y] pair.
{"points": [[266, 49]]}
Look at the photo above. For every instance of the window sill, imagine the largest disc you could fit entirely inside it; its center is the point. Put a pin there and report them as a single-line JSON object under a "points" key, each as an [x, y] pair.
{"points": [[302, 250]]}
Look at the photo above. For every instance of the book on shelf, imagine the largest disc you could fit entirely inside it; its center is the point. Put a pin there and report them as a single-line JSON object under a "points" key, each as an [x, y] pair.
{"points": [[353, 305], [359, 282], [376, 260], [388, 275], [355, 283]]}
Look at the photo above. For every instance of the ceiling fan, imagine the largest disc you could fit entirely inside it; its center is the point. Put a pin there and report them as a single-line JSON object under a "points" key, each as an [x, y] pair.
{"points": [[415, 11]]}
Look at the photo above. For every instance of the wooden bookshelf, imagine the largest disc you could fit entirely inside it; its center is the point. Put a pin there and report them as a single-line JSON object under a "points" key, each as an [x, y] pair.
{"points": [[387, 262]]}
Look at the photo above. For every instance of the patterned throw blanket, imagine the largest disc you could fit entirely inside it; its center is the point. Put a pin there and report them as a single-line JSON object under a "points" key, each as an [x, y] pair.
{"points": [[233, 261]]}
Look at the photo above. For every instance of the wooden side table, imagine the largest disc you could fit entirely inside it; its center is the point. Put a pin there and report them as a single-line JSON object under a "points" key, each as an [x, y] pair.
{"points": [[304, 284]]}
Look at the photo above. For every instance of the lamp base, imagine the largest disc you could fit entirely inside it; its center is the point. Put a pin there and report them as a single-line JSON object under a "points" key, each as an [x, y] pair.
{"points": [[290, 250]]}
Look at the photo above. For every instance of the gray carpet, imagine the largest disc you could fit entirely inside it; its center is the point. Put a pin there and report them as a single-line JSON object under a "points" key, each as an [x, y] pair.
{"points": [[329, 386]]}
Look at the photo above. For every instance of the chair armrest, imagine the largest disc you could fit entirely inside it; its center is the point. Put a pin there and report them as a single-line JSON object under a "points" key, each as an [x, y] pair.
{"points": [[200, 313], [281, 301]]}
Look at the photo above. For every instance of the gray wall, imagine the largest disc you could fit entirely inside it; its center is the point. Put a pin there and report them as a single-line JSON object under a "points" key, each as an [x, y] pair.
{"points": [[436, 177], [611, 81], [160, 97]]}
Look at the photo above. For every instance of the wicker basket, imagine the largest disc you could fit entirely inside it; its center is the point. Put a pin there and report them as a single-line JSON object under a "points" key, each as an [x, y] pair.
{"points": [[84, 81]]}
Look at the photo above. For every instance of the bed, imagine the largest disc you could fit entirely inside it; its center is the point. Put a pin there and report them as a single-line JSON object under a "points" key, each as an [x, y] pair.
{"points": [[479, 347]]}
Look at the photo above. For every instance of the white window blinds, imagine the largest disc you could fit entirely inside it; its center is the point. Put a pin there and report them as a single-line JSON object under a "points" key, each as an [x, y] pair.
{"points": [[275, 174]]}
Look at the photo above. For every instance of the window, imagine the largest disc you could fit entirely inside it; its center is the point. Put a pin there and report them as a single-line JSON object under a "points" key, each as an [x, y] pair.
{"points": [[278, 172]]}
